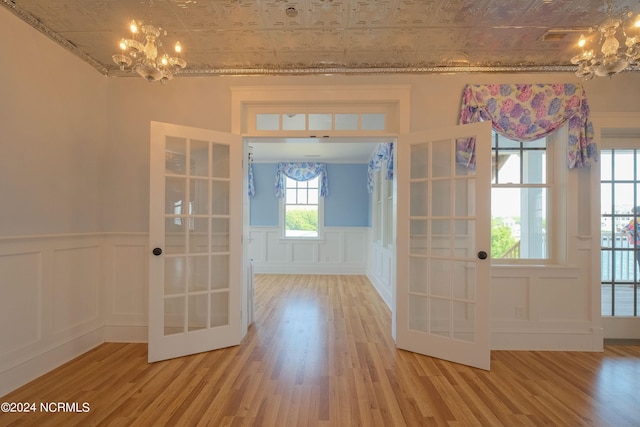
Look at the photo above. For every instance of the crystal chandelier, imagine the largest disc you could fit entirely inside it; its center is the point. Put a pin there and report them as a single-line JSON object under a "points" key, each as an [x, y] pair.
{"points": [[609, 48], [144, 54]]}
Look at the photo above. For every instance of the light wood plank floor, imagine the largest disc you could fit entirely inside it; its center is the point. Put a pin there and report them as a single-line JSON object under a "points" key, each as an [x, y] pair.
{"points": [[320, 354]]}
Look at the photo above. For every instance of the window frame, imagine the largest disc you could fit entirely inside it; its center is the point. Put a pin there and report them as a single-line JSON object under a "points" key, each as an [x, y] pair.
{"points": [[283, 219], [613, 144], [556, 178]]}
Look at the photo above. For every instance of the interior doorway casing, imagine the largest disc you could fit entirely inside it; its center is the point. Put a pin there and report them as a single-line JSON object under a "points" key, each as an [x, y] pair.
{"points": [[395, 99]]}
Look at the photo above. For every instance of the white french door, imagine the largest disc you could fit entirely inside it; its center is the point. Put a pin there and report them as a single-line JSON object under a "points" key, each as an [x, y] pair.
{"points": [[195, 240], [443, 246]]}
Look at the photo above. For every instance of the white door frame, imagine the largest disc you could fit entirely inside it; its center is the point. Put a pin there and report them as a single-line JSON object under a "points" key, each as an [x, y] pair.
{"points": [[243, 97]]}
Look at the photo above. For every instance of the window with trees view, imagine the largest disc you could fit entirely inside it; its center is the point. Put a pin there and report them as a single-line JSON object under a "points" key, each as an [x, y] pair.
{"points": [[301, 208], [520, 194]]}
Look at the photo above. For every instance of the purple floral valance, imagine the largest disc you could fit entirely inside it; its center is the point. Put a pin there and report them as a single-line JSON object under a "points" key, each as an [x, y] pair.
{"points": [[301, 171], [526, 112]]}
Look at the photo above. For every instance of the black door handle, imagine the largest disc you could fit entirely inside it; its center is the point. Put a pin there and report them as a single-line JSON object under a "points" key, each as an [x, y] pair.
{"points": [[157, 251], [482, 255]]}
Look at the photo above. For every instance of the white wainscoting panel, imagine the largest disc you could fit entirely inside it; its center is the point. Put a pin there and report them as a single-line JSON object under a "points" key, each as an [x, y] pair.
{"points": [[20, 301], [380, 270], [50, 308], [541, 308], [76, 288], [126, 287], [341, 250]]}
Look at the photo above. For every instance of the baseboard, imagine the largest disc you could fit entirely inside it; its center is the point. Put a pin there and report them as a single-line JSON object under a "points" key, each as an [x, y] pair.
{"points": [[125, 333], [547, 340], [30, 369], [378, 285]]}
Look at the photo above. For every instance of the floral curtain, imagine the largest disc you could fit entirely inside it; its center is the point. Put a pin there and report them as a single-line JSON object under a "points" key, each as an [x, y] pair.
{"points": [[383, 153], [251, 187], [301, 172], [526, 112]]}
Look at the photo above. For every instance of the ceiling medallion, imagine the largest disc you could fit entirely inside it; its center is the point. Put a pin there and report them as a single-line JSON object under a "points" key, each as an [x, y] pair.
{"points": [[610, 47]]}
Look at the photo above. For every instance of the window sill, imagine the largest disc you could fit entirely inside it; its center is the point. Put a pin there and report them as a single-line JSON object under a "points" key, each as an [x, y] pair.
{"points": [[301, 239]]}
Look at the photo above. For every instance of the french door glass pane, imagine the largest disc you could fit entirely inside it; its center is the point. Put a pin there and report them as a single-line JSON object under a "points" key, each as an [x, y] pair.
{"points": [[174, 315], [198, 273], [418, 275], [175, 240], [219, 309], [176, 156], [419, 313], [220, 198], [175, 273], [220, 161], [442, 194], [197, 312], [441, 150], [196, 236], [198, 196], [439, 318], [464, 315], [440, 278], [199, 160], [419, 161]]}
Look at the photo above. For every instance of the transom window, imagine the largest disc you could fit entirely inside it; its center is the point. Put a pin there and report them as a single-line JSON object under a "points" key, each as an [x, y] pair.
{"points": [[302, 208], [520, 194]]}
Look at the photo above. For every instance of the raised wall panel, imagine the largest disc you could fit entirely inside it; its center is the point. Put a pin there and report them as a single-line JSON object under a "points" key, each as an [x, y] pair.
{"points": [[129, 286], [565, 300], [330, 247], [302, 252], [76, 287], [257, 245], [276, 251], [20, 300], [355, 248], [50, 303], [510, 298]]}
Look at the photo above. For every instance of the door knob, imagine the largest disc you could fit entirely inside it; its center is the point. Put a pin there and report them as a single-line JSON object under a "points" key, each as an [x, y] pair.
{"points": [[482, 255], [157, 251]]}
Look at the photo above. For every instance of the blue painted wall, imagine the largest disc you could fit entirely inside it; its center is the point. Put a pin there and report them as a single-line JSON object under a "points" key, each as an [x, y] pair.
{"points": [[347, 205], [264, 206]]}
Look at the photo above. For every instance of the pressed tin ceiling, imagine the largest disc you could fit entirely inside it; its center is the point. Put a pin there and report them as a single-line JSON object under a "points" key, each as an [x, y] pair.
{"points": [[240, 37]]}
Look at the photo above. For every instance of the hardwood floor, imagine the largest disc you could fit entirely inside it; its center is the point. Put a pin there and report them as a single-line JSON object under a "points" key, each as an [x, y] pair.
{"points": [[320, 354]]}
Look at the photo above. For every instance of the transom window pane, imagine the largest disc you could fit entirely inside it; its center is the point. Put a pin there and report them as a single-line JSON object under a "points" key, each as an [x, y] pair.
{"points": [[268, 121]]}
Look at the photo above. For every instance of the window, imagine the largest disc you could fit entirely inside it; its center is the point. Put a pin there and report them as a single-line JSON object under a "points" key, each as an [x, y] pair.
{"points": [[302, 216], [620, 194], [520, 195]]}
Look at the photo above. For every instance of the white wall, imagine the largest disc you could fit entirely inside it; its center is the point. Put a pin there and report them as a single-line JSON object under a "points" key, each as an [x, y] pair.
{"points": [[74, 181], [53, 119]]}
